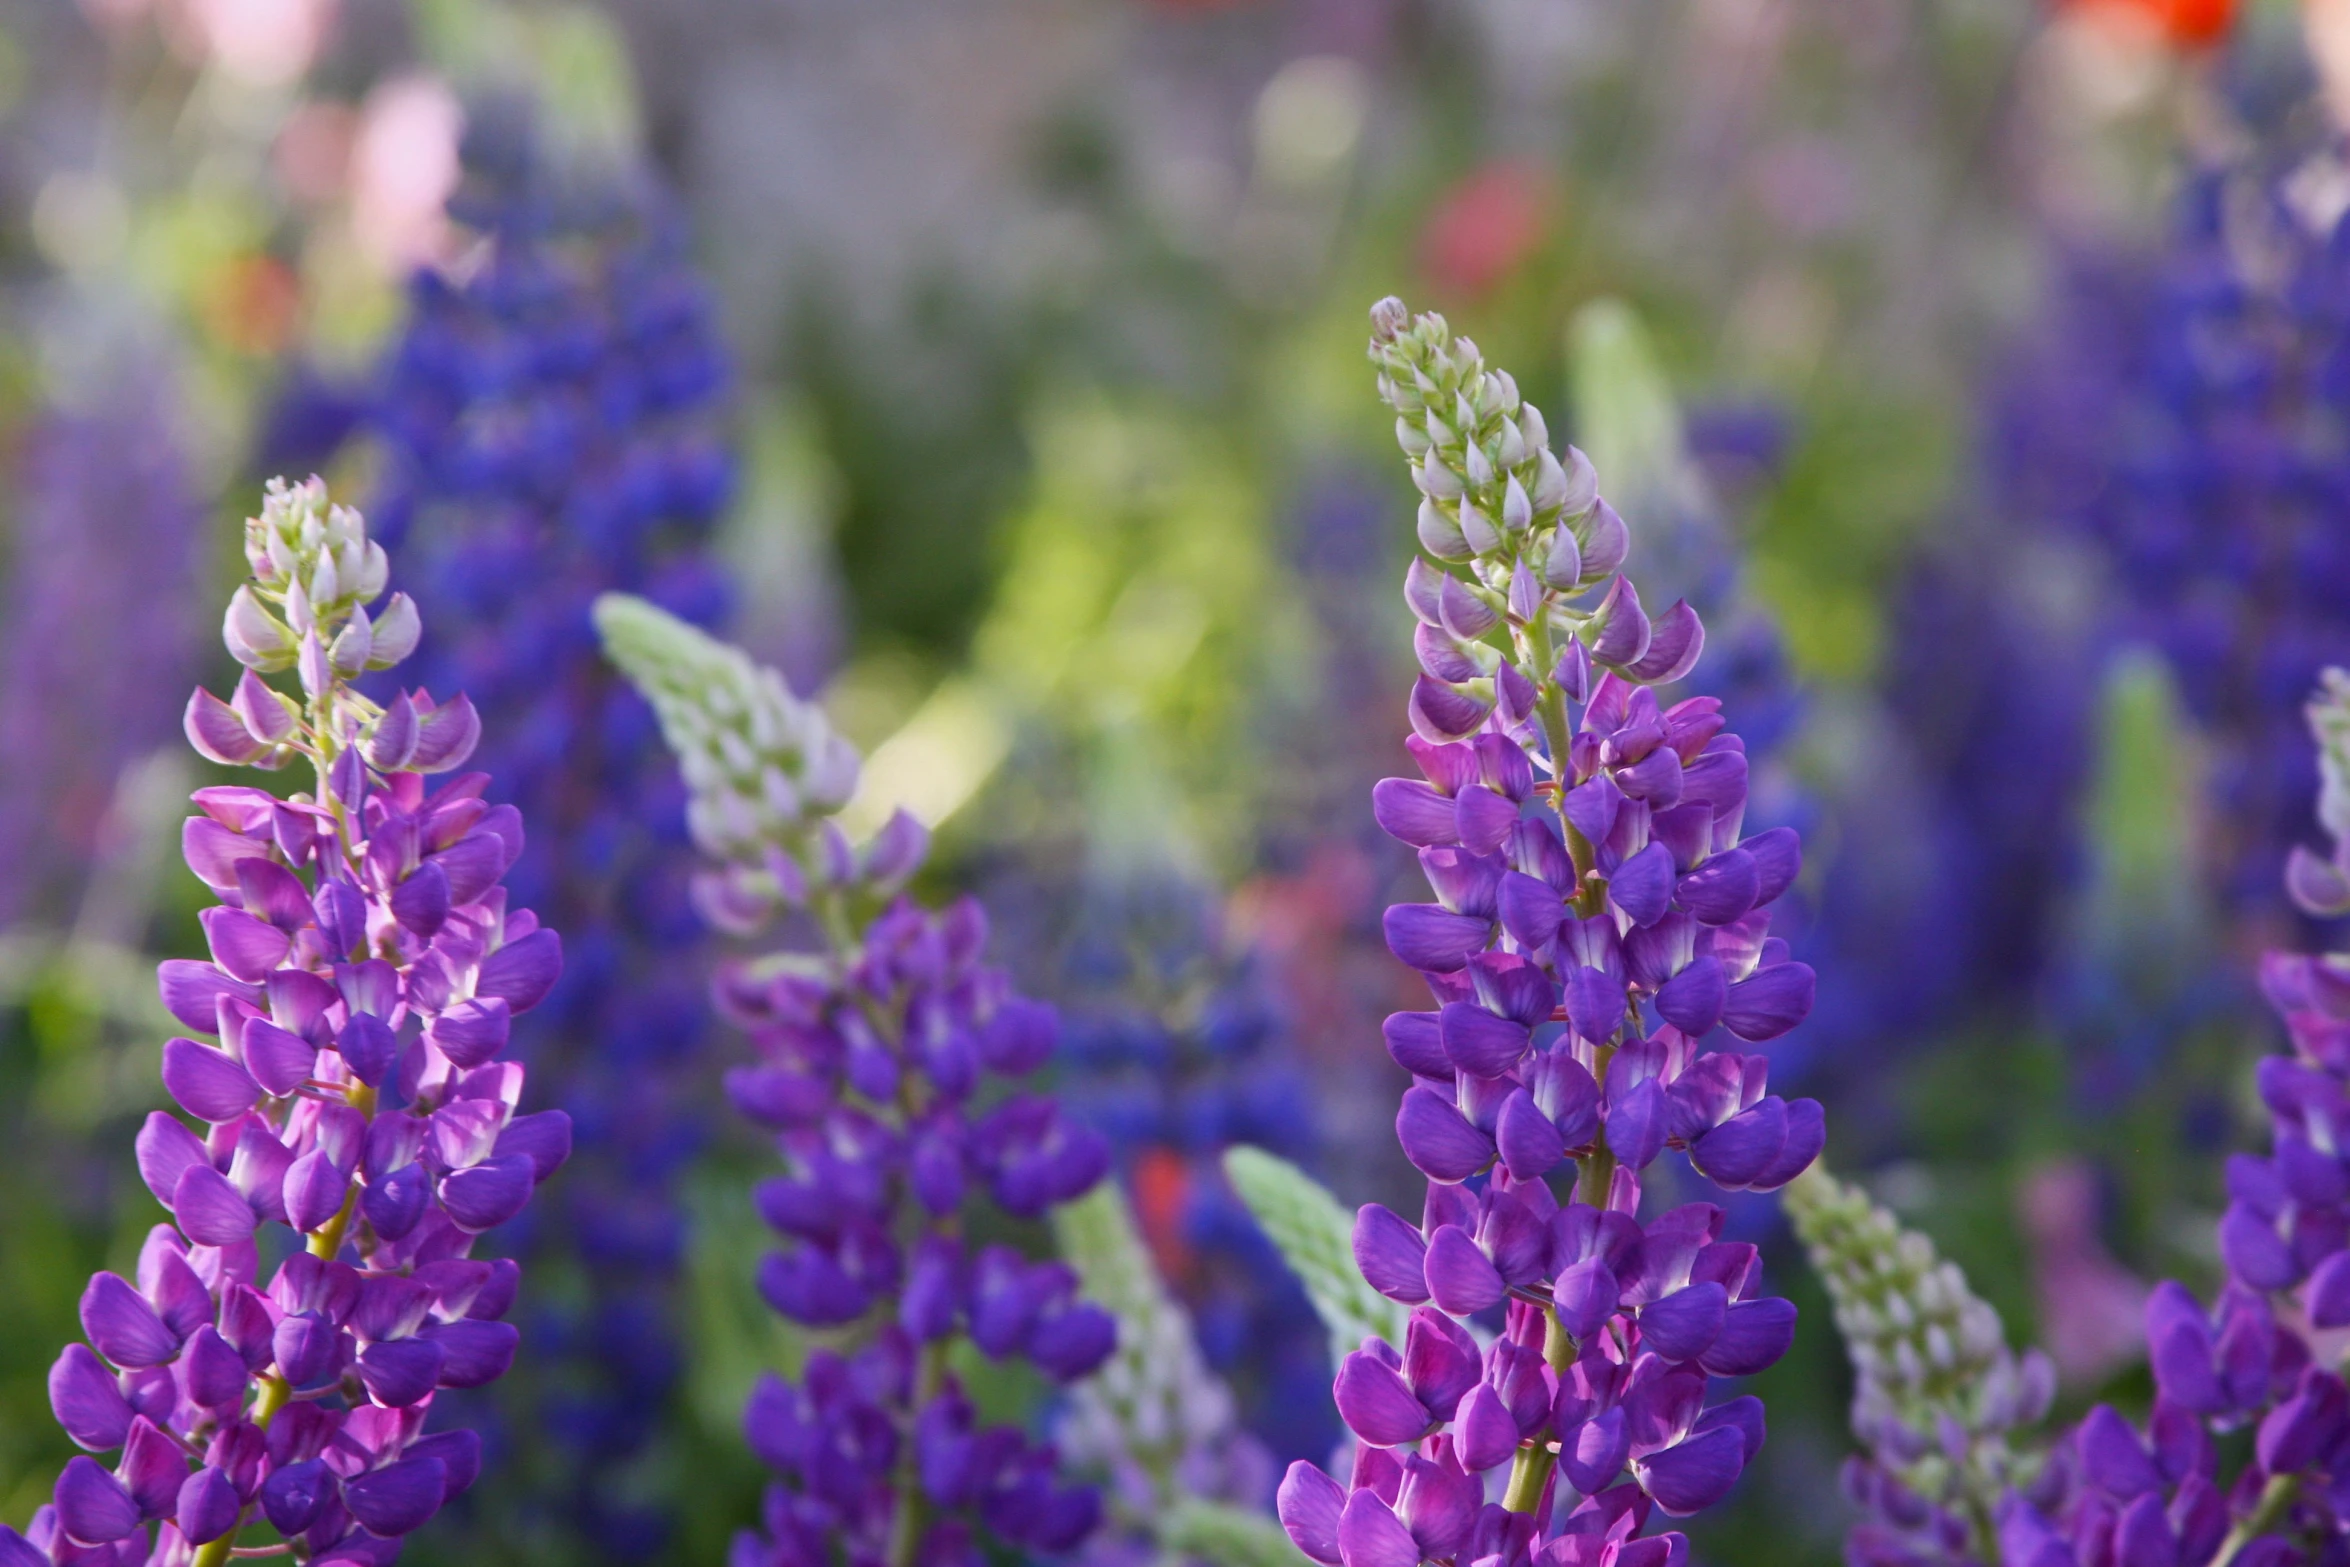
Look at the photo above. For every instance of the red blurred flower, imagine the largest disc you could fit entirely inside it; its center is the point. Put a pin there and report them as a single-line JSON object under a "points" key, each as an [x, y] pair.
{"points": [[1483, 229], [2187, 24]]}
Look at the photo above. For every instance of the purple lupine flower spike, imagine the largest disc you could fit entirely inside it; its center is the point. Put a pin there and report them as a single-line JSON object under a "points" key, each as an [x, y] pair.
{"points": [[875, 1054], [346, 1091], [2156, 1497], [1598, 916]]}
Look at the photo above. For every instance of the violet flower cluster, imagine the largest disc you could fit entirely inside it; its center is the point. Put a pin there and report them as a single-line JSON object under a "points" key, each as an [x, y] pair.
{"points": [[2155, 1497], [343, 1059], [2174, 415], [551, 422], [1938, 1400], [1599, 914], [875, 1048]]}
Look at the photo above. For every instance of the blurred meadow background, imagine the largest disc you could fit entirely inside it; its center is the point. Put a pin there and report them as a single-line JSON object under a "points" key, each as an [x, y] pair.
{"points": [[1980, 368]]}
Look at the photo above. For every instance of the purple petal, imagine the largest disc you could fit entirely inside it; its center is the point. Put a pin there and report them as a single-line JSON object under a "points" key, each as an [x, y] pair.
{"points": [[1309, 1505], [1778, 860], [190, 991], [1370, 1535], [1461, 1279], [1675, 643], [1692, 1000], [1636, 1124], [1594, 1453], [279, 1060], [87, 1400], [1438, 1141], [1440, 712], [213, 1370], [1483, 819], [472, 1032], [1595, 1005], [1391, 1254], [207, 1506], [1683, 1324], [1692, 1476], [2111, 1456], [1377, 1404], [474, 1352], [1807, 1134], [1530, 1144], [398, 1498], [1478, 1042], [1530, 909], [1414, 812], [1721, 889], [445, 737], [1744, 1146], [489, 1193], [1642, 887], [207, 1082], [2254, 1251], [2329, 1291], [293, 1496], [1623, 625], [1427, 936], [1754, 1335], [1769, 1002], [1416, 1043], [402, 1371], [245, 946], [1440, 1360], [93, 1508], [522, 972], [209, 1210], [1586, 1295]]}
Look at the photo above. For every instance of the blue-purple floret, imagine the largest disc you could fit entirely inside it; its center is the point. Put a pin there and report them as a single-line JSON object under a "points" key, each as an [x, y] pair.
{"points": [[874, 1075], [1599, 915], [2155, 1496]]}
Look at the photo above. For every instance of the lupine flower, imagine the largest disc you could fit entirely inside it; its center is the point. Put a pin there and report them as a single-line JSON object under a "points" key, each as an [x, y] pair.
{"points": [[551, 427], [2170, 415], [2141, 1497], [1599, 913], [343, 1059], [874, 1050], [1154, 1419], [1937, 1390]]}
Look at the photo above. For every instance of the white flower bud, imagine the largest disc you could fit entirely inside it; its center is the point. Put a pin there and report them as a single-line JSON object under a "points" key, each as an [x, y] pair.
{"points": [[1517, 512], [1479, 467], [1550, 482], [1438, 433], [326, 583], [1410, 437], [311, 663], [298, 612], [1440, 536], [1512, 446], [254, 636], [1501, 391], [1434, 478], [394, 634], [1530, 425], [1482, 537], [351, 646]]}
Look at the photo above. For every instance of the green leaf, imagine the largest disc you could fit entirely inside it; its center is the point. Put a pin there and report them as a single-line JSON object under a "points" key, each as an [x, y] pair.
{"points": [[1316, 1238], [1227, 1536]]}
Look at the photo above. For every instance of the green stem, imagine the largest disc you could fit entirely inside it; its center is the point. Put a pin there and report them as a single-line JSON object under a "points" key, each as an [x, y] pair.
{"points": [[2276, 1498], [905, 1529]]}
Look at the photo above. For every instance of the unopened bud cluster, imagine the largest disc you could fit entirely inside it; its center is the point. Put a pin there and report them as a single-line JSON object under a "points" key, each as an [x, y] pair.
{"points": [[315, 571], [1532, 528], [765, 770], [1938, 1391]]}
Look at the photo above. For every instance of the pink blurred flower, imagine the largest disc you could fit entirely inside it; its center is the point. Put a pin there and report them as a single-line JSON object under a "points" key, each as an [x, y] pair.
{"points": [[403, 168], [2090, 1305]]}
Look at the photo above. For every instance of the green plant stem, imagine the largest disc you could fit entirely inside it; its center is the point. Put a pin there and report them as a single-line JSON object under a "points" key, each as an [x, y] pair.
{"points": [[2275, 1498]]}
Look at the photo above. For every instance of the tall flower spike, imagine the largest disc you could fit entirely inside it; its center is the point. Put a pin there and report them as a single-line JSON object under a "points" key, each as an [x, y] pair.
{"points": [[550, 424], [2157, 1495], [1598, 914], [343, 1057], [1937, 1392], [873, 1053]]}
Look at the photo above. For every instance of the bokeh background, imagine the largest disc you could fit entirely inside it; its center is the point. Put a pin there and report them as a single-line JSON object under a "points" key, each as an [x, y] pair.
{"points": [[1981, 368]]}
